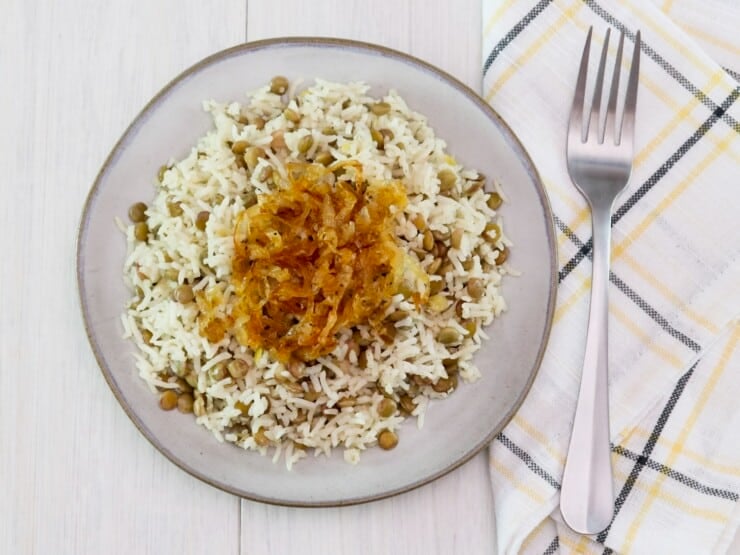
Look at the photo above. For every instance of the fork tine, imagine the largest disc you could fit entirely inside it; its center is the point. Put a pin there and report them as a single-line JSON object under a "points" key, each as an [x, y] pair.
{"points": [[599, 87], [576, 112], [630, 102], [611, 112]]}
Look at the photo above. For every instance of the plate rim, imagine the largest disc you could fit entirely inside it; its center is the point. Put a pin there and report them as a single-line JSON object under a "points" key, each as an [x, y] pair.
{"points": [[336, 43]]}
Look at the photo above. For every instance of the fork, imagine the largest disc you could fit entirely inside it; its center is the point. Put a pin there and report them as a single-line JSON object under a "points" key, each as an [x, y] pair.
{"points": [[599, 163]]}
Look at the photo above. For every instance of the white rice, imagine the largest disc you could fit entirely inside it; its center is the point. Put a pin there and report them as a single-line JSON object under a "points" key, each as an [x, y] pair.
{"points": [[341, 411]]}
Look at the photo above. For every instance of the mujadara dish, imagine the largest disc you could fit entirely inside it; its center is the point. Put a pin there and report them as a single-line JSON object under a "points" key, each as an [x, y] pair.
{"points": [[316, 270]]}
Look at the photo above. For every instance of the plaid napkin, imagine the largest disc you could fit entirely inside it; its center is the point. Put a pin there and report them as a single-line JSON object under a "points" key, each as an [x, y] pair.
{"points": [[675, 281]]}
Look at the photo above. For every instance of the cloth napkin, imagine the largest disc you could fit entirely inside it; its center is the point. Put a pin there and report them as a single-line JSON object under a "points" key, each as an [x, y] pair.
{"points": [[675, 283]]}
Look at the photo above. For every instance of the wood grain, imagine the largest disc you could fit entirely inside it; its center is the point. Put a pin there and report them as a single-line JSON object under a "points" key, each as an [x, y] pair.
{"points": [[75, 475], [446, 34]]}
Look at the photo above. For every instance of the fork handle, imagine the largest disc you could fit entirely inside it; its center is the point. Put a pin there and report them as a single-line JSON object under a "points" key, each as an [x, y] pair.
{"points": [[587, 496]]}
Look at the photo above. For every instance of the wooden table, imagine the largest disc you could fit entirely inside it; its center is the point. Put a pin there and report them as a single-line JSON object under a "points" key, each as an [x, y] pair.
{"points": [[76, 477]]}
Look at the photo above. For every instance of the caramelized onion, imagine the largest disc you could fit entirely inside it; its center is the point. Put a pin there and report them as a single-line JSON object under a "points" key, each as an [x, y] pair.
{"points": [[314, 257]]}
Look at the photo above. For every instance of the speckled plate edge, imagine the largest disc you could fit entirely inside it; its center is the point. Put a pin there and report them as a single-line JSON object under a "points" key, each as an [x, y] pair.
{"points": [[511, 138]]}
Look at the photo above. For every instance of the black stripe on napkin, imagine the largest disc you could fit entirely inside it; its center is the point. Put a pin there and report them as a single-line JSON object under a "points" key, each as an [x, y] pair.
{"points": [[648, 449], [527, 459], [514, 32], [553, 547], [658, 59], [631, 294], [654, 179], [676, 475], [650, 311], [734, 74]]}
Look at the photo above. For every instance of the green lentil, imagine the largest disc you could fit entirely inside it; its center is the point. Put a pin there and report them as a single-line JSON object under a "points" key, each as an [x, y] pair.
{"points": [[239, 147], [141, 231], [202, 219], [447, 336], [279, 85], [380, 108], [494, 201], [386, 407], [137, 212]]}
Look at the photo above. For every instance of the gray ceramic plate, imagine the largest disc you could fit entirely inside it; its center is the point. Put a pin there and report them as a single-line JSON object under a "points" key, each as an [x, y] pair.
{"points": [[455, 429]]}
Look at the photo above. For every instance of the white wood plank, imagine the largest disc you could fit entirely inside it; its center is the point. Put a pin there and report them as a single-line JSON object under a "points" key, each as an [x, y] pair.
{"points": [[75, 475], [446, 34], [454, 514]]}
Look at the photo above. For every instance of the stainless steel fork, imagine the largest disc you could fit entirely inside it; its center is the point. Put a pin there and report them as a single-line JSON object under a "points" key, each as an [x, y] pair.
{"points": [[599, 163]]}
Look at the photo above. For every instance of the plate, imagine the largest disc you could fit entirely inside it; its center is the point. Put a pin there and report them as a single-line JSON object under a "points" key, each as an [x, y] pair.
{"points": [[455, 429]]}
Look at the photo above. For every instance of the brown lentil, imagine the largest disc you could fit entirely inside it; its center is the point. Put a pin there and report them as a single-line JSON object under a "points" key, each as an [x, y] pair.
{"points": [[495, 201], [141, 231], [450, 365], [311, 395], [192, 379], [185, 403], [444, 385], [493, 232], [346, 402], [324, 158], [377, 138], [249, 199], [259, 123], [292, 115], [474, 188], [386, 407], [296, 369], [184, 294], [279, 85], [447, 180], [380, 108], [502, 256], [436, 286], [397, 316], [252, 156], [434, 266], [419, 221], [174, 209], [305, 143], [438, 303], [476, 288], [261, 439], [237, 368], [407, 404], [137, 212], [239, 147], [218, 372], [278, 139], [362, 359], [168, 400], [445, 269], [447, 336], [202, 219], [428, 241], [456, 238]]}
